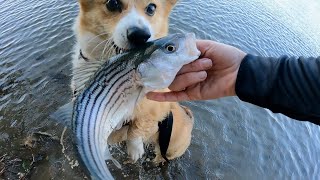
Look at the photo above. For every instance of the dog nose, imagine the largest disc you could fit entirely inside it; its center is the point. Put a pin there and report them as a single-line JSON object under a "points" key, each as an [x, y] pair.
{"points": [[138, 36]]}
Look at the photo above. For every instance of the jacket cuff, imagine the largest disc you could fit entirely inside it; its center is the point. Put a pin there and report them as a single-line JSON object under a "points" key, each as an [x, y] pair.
{"points": [[253, 83]]}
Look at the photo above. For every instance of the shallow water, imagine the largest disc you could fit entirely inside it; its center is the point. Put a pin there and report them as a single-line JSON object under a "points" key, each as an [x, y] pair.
{"points": [[231, 139]]}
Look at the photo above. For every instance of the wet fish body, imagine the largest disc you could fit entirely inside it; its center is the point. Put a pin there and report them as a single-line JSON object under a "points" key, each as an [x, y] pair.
{"points": [[109, 98], [102, 101]]}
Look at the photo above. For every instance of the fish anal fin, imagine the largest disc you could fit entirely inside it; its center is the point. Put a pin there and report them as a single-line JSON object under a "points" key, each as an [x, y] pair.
{"points": [[108, 156]]}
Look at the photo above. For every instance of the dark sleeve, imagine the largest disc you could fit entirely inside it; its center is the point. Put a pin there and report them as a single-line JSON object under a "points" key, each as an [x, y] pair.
{"points": [[284, 85]]}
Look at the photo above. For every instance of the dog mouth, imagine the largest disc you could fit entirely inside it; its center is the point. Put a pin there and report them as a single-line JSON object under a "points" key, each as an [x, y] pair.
{"points": [[118, 49]]}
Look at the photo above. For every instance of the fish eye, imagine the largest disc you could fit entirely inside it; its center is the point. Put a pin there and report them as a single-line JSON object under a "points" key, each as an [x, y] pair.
{"points": [[114, 5], [151, 9], [170, 48]]}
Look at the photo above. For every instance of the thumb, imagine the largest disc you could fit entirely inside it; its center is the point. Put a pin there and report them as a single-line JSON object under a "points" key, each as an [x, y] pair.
{"points": [[205, 45]]}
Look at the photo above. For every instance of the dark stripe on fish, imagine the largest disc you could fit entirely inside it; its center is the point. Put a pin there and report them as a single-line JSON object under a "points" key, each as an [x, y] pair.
{"points": [[116, 103], [89, 100], [114, 93], [98, 106], [109, 89]]}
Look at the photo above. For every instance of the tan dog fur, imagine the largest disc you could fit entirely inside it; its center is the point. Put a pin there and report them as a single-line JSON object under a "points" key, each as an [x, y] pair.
{"points": [[95, 27]]}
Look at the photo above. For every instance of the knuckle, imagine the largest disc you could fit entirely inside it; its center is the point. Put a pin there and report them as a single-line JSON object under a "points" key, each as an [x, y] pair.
{"points": [[194, 65]]}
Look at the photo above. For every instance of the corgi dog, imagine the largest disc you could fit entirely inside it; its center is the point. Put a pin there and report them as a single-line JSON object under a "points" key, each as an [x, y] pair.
{"points": [[105, 28]]}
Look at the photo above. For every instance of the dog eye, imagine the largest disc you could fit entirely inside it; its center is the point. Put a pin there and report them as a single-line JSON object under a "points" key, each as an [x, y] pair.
{"points": [[114, 5], [170, 48], [150, 9]]}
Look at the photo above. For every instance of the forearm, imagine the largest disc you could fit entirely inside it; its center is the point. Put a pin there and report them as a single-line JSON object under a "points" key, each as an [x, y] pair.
{"points": [[286, 85]]}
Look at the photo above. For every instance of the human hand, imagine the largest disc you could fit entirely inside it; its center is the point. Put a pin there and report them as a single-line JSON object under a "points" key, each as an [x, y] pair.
{"points": [[212, 76]]}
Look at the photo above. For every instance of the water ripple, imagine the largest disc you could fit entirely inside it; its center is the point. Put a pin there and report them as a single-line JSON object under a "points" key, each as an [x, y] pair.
{"points": [[231, 139]]}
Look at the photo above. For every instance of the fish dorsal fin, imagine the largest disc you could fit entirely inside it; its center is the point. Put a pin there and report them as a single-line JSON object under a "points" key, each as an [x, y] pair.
{"points": [[84, 72], [64, 114], [108, 156]]}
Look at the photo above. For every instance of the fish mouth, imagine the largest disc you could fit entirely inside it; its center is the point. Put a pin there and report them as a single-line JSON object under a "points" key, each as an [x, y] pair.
{"points": [[118, 49]]}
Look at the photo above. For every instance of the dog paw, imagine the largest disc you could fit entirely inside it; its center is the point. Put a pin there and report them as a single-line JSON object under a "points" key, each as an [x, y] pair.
{"points": [[158, 160], [135, 149]]}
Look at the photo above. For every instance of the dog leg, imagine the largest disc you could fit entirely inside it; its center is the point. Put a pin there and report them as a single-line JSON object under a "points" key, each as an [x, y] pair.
{"points": [[135, 148], [180, 137], [138, 133], [158, 159], [118, 135]]}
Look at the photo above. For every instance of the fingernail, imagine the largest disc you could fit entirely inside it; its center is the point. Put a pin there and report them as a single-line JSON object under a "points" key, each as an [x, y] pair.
{"points": [[202, 75], [206, 63]]}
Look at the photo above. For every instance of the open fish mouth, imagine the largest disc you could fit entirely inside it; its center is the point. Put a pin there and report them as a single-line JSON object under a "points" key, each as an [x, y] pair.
{"points": [[118, 49]]}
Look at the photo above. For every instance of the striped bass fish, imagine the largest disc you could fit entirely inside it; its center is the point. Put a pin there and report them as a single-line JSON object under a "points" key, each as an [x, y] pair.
{"points": [[112, 91]]}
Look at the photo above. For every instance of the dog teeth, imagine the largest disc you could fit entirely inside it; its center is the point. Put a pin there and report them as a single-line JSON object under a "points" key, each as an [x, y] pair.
{"points": [[118, 50]]}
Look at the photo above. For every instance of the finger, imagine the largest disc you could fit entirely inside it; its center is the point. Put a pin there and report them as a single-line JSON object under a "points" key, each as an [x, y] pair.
{"points": [[205, 45], [183, 81], [168, 96], [198, 65]]}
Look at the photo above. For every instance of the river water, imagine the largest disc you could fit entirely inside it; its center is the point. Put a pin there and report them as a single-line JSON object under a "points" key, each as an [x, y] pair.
{"points": [[231, 139]]}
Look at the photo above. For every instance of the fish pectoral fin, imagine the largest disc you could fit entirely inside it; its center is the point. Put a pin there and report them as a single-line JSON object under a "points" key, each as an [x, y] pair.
{"points": [[64, 114], [108, 156], [83, 73]]}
